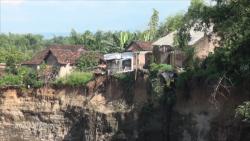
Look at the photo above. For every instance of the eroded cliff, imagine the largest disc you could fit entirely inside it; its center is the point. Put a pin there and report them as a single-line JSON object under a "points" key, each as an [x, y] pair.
{"points": [[116, 112]]}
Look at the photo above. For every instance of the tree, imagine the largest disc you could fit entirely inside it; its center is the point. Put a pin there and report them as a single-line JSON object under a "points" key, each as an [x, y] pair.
{"points": [[87, 61], [75, 38], [12, 60], [153, 25], [171, 24]]}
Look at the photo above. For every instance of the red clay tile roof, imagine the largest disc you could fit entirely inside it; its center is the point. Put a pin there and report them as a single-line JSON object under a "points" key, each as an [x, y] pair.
{"points": [[63, 53], [140, 46]]}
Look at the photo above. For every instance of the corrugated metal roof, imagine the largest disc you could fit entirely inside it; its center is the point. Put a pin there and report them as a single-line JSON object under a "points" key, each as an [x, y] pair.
{"points": [[166, 40], [117, 56], [169, 39], [112, 56], [195, 36]]}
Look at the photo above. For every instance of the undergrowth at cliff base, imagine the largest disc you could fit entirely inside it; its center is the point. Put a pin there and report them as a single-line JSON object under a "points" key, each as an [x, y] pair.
{"points": [[243, 111]]}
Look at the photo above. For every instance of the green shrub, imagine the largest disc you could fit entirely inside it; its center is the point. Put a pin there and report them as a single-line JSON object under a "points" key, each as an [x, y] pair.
{"points": [[30, 77], [243, 111], [87, 61], [10, 79], [160, 67], [124, 77], [75, 79], [156, 68]]}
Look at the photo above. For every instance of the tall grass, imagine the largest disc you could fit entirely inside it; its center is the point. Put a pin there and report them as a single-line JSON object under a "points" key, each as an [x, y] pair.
{"points": [[75, 79]]}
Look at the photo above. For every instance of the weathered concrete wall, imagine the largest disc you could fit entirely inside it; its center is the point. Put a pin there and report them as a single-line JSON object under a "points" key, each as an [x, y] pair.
{"points": [[204, 47]]}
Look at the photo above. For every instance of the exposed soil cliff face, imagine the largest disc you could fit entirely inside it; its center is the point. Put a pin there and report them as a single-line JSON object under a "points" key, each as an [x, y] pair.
{"points": [[194, 118], [60, 116], [211, 121], [73, 114], [67, 114]]}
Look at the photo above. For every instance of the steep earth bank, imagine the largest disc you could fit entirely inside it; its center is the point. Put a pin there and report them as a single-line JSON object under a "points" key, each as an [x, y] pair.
{"points": [[112, 111]]}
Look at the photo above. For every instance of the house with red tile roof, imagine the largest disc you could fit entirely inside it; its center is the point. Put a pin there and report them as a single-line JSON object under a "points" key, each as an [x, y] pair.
{"points": [[62, 57], [142, 51]]}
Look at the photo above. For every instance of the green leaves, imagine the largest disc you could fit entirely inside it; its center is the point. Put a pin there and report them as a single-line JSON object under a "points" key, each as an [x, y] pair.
{"points": [[153, 25], [158, 68], [230, 21], [75, 79], [243, 111], [87, 61], [10, 80], [172, 23]]}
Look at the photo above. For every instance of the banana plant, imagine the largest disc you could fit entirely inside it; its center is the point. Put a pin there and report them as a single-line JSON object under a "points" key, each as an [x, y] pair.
{"points": [[123, 39], [146, 36]]}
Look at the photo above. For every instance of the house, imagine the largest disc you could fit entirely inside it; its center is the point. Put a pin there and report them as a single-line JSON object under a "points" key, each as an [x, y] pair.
{"points": [[62, 57], [119, 62], [142, 53], [165, 51]]}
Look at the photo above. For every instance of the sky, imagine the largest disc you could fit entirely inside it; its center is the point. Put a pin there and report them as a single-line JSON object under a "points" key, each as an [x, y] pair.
{"points": [[60, 16]]}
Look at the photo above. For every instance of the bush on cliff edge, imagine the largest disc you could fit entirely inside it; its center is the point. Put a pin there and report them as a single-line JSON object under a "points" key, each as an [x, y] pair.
{"points": [[75, 79]]}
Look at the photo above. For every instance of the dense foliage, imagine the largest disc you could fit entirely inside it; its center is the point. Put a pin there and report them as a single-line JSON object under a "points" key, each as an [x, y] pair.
{"points": [[10, 80], [229, 20], [23, 76], [19, 47], [87, 61], [172, 23], [157, 68]]}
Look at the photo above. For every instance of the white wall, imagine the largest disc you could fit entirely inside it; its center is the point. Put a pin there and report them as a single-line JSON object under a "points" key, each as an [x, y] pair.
{"points": [[65, 70]]}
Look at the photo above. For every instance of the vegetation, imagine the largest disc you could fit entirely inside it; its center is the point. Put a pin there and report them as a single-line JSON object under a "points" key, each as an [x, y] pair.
{"points": [[23, 76], [30, 77], [19, 47], [87, 61], [160, 67], [230, 21], [75, 79], [156, 68], [243, 111], [172, 23], [10, 80], [153, 26]]}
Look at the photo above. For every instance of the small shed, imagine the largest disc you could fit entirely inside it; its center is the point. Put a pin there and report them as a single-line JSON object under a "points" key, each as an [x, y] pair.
{"points": [[119, 62]]}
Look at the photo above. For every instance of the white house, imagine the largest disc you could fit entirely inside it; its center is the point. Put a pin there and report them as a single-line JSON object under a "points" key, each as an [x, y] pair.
{"points": [[119, 62]]}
